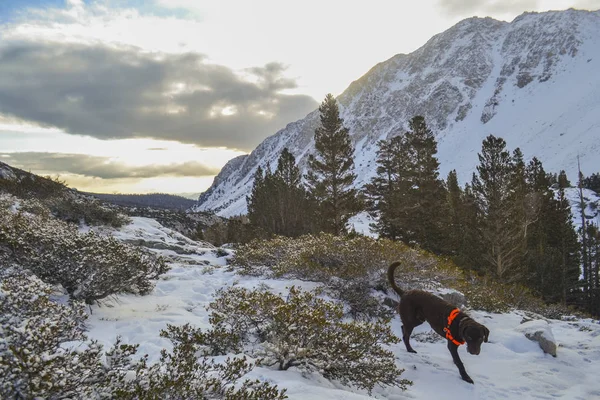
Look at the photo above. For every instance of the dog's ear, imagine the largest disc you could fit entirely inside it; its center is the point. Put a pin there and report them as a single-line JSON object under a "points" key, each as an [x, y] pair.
{"points": [[486, 334]]}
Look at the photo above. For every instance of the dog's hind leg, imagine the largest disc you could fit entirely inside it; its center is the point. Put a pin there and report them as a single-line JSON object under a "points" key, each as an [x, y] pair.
{"points": [[461, 368], [406, 331]]}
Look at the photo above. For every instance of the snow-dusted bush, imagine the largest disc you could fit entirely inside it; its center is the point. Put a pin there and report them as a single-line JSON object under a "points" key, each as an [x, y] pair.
{"points": [[306, 332], [182, 375], [33, 327], [44, 354], [64, 203], [78, 209], [493, 296], [350, 267], [89, 266]]}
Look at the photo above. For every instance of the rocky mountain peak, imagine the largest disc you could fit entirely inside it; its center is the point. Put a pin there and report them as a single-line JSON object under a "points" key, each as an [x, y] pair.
{"points": [[531, 81]]}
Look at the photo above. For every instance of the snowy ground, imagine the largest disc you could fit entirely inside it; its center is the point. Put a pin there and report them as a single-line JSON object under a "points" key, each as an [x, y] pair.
{"points": [[509, 367]]}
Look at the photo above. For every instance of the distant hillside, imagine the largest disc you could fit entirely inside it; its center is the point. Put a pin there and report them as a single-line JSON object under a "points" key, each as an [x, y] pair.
{"points": [[104, 209], [152, 200]]}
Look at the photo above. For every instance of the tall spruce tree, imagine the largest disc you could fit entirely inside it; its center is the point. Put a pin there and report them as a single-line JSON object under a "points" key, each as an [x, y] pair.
{"points": [[427, 221], [492, 189], [564, 238], [408, 196], [330, 176], [386, 193], [552, 256]]}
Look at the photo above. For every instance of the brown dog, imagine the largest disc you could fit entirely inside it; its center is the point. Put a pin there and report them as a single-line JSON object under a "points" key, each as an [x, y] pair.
{"points": [[417, 306]]}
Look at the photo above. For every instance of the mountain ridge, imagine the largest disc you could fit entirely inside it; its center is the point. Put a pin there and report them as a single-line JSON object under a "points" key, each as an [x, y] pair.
{"points": [[530, 81]]}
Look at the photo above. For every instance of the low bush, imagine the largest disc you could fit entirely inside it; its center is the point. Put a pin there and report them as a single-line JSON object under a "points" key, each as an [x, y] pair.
{"points": [[89, 266], [303, 331], [90, 211], [351, 268], [45, 354]]}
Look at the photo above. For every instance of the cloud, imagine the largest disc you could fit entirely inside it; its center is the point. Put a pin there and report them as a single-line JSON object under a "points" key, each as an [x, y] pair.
{"points": [[112, 92], [102, 167], [588, 4], [487, 7]]}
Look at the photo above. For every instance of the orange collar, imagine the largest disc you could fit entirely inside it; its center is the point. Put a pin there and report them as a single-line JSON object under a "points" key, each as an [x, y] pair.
{"points": [[449, 336]]}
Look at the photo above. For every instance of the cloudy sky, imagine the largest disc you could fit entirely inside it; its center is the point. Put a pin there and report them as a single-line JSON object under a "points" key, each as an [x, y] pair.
{"points": [[157, 95]]}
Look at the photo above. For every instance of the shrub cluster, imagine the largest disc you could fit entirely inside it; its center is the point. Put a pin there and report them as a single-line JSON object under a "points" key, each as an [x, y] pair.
{"points": [[490, 295], [64, 203], [89, 266], [349, 267], [303, 331], [77, 209], [44, 354]]}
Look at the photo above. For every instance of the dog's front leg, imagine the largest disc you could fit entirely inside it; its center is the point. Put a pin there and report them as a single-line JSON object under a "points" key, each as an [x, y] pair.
{"points": [[461, 368]]}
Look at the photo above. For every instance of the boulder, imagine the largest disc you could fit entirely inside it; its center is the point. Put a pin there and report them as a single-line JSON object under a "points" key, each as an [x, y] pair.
{"points": [[539, 331]]}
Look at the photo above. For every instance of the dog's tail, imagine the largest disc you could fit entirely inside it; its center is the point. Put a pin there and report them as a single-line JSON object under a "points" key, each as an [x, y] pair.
{"points": [[391, 270]]}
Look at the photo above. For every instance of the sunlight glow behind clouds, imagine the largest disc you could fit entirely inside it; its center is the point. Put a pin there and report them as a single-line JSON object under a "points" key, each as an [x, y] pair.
{"points": [[324, 45]]}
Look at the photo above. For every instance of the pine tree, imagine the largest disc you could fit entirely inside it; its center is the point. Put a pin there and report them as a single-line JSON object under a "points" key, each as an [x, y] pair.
{"points": [[293, 206], [278, 204], [592, 182], [408, 196], [330, 177], [593, 237], [584, 243], [386, 190], [564, 238], [471, 243], [563, 181], [492, 189], [260, 202], [428, 219], [455, 213]]}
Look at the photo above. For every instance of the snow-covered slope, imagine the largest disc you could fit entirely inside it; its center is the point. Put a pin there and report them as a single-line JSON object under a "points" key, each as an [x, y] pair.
{"points": [[509, 367], [533, 81]]}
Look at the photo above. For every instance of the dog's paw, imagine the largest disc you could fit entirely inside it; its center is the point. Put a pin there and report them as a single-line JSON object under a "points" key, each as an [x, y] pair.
{"points": [[467, 378]]}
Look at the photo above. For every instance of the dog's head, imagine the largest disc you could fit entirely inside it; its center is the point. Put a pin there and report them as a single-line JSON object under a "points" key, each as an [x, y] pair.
{"points": [[474, 335]]}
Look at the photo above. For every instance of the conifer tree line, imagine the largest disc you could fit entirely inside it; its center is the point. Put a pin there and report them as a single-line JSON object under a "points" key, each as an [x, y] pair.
{"points": [[511, 222]]}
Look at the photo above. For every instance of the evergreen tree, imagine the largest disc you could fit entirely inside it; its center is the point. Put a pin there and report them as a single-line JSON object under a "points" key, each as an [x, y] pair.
{"points": [[295, 216], [525, 207], [592, 182], [407, 194], [455, 214], [330, 177], [427, 220], [564, 238], [584, 242], [563, 181], [278, 204], [492, 189], [260, 202], [471, 243], [387, 189], [593, 237], [552, 256]]}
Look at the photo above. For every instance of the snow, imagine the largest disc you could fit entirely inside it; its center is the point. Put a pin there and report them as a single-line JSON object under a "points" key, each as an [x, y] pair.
{"points": [[509, 366]]}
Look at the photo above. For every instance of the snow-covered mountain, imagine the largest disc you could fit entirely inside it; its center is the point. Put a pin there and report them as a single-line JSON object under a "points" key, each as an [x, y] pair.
{"points": [[533, 81]]}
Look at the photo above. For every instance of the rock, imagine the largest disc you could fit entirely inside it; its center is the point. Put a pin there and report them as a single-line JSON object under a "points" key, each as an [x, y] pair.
{"points": [[390, 302], [455, 298], [539, 331]]}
